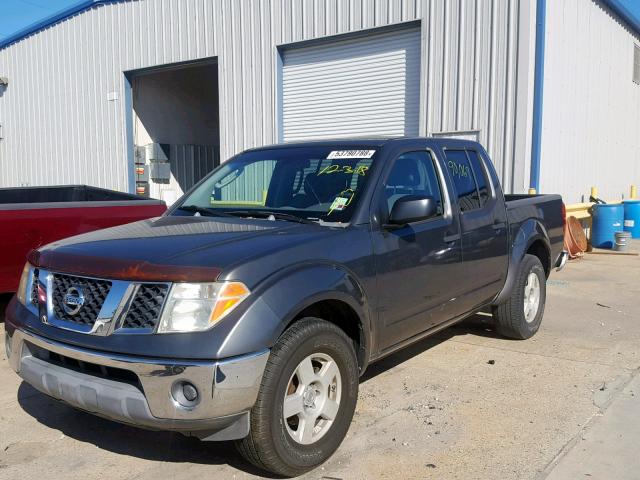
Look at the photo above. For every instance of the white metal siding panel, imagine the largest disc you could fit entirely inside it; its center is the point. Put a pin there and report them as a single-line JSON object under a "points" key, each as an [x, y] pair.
{"points": [[359, 87], [60, 127], [479, 77], [591, 119], [636, 64]]}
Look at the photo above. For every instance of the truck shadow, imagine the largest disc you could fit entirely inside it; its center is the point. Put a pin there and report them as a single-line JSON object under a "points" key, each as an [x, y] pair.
{"points": [[176, 448], [474, 325], [125, 440]]}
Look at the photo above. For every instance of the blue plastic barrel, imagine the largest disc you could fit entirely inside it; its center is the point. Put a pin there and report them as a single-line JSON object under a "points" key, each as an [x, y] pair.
{"points": [[632, 217], [607, 220]]}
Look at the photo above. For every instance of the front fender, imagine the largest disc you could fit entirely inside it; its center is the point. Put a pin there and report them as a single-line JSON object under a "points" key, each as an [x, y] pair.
{"points": [[285, 295], [528, 232]]}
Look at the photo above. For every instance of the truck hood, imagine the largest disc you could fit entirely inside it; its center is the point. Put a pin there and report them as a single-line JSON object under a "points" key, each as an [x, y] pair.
{"points": [[173, 248]]}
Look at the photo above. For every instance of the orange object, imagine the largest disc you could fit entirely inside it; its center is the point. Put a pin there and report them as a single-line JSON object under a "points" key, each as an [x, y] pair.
{"points": [[230, 295], [575, 241]]}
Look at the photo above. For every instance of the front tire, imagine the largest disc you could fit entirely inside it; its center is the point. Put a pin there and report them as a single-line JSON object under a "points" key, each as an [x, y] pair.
{"points": [[520, 316], [306, 401]]}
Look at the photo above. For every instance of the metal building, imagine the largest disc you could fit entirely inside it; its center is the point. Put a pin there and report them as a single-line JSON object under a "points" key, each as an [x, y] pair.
{"points": [[591, 109], [153, 93]]}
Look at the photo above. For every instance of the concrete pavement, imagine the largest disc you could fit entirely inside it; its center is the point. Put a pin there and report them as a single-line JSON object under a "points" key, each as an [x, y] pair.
{"points": [[466, 404], [609, 447]]}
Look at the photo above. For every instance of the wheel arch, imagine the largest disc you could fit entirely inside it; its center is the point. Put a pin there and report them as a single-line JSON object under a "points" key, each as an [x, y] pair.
{"points": [[327, 291], [530, 238], [539, 248], [343, 315]]}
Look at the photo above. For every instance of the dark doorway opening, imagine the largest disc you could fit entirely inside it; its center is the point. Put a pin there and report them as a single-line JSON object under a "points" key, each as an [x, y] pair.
{"points": [[175, 127]]}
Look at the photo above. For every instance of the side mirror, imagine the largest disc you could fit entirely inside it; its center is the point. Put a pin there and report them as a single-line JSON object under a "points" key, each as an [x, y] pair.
{"points": [[412, 208]]}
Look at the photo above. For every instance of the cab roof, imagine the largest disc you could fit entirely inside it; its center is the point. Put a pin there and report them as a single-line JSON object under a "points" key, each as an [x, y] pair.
{"points": [[358, 142]]}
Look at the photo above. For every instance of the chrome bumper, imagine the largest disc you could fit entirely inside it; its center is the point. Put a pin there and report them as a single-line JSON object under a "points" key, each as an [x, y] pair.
{"points": [[227, 389], [562, 260]]}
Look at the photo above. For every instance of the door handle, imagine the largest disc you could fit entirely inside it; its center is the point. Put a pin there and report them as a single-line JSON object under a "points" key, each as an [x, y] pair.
{"points": [[499, 225], [452, 238]]}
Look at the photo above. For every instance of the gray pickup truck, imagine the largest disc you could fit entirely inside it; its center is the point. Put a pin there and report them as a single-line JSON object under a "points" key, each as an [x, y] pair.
{"points": [[249, 311]]}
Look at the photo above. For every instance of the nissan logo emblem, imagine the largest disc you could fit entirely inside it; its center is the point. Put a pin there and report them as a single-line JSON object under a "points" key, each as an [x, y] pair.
{"points": [[73, 300]]}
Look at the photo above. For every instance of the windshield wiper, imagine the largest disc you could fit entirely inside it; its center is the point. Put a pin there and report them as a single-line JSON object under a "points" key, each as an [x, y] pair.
{"points": [[265, 214], [209, 212]]}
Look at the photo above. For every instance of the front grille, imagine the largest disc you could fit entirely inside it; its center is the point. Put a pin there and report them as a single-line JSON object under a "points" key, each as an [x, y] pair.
{"points": [[34, 288], [145, 308], [95, 292]]}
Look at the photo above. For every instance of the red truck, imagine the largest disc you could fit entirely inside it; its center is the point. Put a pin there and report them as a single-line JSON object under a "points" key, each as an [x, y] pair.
{"points": [[34, 216]]}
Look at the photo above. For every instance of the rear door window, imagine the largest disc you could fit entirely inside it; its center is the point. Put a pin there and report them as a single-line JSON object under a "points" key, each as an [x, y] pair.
{"points": [[463, 179], [480, 176]]}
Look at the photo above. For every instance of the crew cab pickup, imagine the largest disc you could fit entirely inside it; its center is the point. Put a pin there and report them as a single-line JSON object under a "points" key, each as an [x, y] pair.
{"points": [[249, 310]]}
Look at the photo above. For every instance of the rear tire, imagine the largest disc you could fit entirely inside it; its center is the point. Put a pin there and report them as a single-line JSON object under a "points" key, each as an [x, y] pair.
{"points": [[313, 366], [521, 315]]}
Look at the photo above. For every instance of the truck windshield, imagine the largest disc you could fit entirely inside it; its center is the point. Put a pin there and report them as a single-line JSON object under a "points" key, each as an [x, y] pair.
{"points": [[308, 183]]}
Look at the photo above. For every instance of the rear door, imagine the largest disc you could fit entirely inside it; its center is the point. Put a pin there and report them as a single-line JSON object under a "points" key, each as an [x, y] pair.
{"points": [[483, 224], [418, 264]]}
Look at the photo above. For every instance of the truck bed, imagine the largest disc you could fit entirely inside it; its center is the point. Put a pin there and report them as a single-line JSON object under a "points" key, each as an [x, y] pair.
{"points": [[542, 211], [34, 216], [17, 197]]}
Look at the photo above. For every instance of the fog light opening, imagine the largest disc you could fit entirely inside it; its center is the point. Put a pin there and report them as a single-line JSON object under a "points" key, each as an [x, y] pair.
{"points": [[185, 394], [189, 392]]}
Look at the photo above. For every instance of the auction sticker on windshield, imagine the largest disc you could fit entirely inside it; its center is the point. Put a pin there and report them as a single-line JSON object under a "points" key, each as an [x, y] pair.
{"points": [[340, 203], [351, 154]]}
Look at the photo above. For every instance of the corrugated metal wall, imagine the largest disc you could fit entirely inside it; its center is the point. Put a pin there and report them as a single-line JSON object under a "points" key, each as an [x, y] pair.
{"points": [[189, 163], [591, 114], [250, 185], [63, 114]]}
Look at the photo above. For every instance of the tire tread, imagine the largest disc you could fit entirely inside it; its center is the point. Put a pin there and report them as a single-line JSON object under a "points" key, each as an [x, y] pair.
{"points": [[509, 315], [256, 447]]}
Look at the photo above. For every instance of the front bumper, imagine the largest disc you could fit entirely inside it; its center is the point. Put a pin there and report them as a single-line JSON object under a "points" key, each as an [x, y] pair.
{"points": [[143, 391]]}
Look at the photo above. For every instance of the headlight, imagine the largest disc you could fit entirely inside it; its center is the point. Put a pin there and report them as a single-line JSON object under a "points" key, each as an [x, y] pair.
{"points": [[21, 294], [193, 307]]}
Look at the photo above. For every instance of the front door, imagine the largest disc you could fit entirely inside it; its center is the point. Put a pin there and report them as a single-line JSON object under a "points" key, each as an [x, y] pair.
{"points": [[418, 264]]}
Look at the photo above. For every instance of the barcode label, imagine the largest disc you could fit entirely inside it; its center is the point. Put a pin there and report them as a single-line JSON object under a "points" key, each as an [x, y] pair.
{"points": [[351, 154]]}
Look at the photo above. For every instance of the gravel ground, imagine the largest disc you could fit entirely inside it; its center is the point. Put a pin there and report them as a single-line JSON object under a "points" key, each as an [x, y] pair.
{"points": [[464, 404]]}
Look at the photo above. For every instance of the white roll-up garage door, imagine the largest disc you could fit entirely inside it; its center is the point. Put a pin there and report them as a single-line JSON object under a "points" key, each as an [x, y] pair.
{"points": [[358, 87]]}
